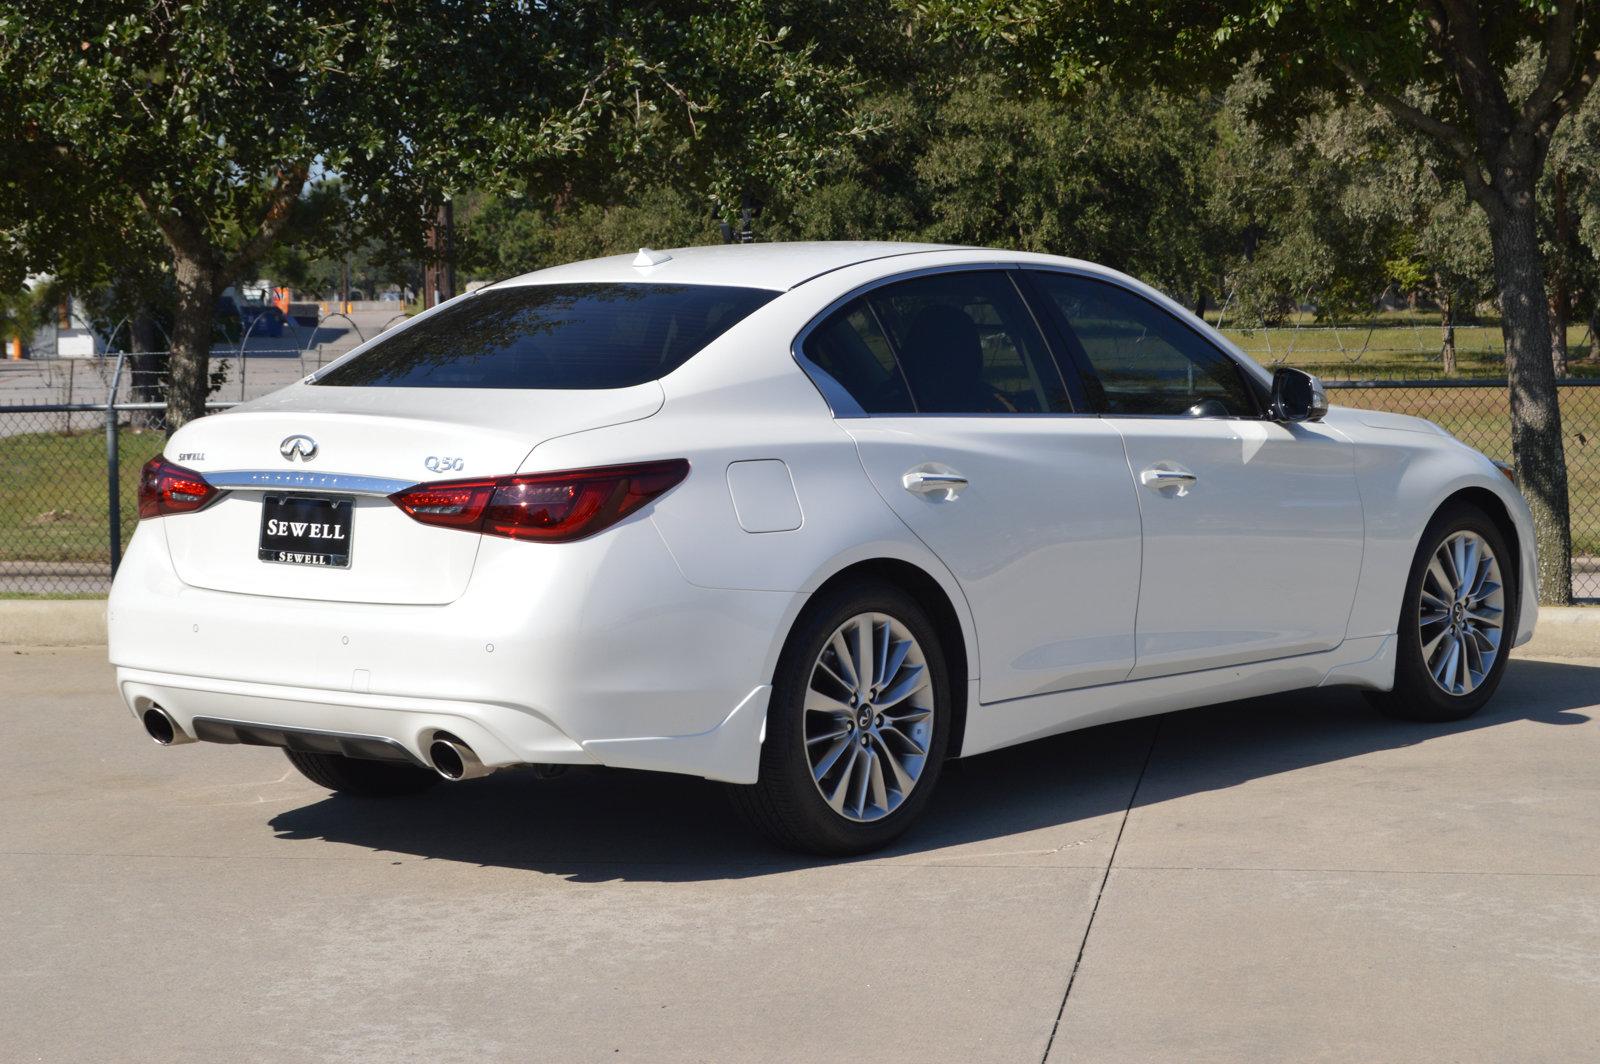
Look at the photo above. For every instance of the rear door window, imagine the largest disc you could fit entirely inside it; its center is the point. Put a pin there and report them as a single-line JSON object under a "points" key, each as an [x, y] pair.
{"points": [[968, 345], [851, 347], [556, 336], [947, 343]]}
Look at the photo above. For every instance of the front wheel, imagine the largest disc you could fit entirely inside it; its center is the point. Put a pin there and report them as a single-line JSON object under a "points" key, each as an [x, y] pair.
{"points": [[857, 727], [1461, 595]]}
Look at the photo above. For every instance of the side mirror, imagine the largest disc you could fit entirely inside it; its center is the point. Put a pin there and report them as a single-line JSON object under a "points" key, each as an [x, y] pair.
{"points": [[1297, 396]]}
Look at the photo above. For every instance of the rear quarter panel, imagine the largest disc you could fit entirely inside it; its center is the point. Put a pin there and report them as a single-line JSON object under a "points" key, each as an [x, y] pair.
{"points": [[745, 399]]}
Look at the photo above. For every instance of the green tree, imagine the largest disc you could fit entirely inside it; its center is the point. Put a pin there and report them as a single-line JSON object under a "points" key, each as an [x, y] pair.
{"points": [[1294, 229], [1442, 68], [1111, 176], [1571, 193], [207, 118], [506, 237]]}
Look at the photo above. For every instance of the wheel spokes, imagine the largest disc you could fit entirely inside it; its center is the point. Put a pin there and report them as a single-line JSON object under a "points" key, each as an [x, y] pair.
{"points": [[880, 658], [1486, 616], [832, 672], [915, 747], [1432, 645], [913, 678], [1460, 611], [1445, 671], [868, 716], [831, 758], [862, 771], [876, 788], [1443, 586], [828, 737], [1448, 566], [845, 662], [1467, 569], [902, 779], [895, 660], [864, 658], [841, 786], [822, 702]]}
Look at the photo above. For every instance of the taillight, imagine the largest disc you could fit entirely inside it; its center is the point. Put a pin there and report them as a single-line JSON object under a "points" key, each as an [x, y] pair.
{"points": [[552, 507], [165, 488]]}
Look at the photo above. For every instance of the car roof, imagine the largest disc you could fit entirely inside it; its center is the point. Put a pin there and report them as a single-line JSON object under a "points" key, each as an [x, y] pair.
{"points": [[776, 266]]}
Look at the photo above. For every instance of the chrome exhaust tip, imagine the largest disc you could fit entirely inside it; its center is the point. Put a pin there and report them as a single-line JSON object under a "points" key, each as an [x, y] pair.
{"points": [[454, 759], [162, 728]]}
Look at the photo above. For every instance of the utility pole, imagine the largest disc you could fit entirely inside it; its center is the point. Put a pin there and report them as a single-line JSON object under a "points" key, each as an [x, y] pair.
{"points": [[430, 269], [439, 272], [447, 218]]}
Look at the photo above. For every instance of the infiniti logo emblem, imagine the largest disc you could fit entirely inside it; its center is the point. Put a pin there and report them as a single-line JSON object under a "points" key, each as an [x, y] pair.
{"points": [[301, 447]]}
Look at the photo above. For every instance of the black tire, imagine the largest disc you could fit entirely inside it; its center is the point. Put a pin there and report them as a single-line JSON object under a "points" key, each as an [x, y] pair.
{"points": [[786, 805], [370, 779], [1416, 696]]}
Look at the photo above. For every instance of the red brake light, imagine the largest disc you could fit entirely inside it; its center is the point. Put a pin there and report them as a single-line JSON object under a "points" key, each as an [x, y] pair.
{"points": [[551, 507], [165, 488]]}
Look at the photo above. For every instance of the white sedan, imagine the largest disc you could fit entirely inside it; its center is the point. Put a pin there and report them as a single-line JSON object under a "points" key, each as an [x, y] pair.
{"points": [[810, 519]]}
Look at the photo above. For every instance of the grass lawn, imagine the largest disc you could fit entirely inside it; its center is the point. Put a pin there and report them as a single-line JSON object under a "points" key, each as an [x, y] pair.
{"points": [[1398, 344], [54, 596], [53, 506]]}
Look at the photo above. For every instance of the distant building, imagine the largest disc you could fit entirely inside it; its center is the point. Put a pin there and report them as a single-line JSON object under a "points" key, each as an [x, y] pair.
{"points": [[68, 333]]}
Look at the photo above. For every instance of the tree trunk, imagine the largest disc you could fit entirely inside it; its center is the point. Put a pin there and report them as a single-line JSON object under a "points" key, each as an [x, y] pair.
{"points": [[144, 366], [189, 369], [1558, 327], [1558, 277], [1447, 326], [1594, 333], [1536, 441]]}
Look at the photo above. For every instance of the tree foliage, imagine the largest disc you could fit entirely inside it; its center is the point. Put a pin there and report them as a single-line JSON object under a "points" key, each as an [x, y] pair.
{"points": [[204, 120]]}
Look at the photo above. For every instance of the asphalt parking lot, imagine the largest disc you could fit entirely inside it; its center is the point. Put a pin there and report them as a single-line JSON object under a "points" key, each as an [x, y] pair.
{"points": [[1289, 878]]}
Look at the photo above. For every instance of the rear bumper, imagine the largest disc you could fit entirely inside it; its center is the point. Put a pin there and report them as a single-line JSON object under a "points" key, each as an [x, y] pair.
{"points": [[500, 735], [596, 652]]}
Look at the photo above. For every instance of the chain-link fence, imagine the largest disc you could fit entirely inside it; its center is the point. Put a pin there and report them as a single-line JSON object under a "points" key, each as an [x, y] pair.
{"points": [[61, 522], [251, 365], [58, 509], [70, 428], [1476, 412]]}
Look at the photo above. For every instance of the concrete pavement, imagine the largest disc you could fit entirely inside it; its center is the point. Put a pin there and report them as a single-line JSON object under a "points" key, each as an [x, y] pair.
{"points": [[1289, 878]]}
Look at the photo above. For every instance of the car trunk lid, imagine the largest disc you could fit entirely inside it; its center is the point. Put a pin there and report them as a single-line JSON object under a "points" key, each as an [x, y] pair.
{"points": [[355, 446]]}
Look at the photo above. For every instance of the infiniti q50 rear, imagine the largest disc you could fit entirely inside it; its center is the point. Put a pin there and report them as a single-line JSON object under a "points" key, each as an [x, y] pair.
{"points": [[807, 519]]}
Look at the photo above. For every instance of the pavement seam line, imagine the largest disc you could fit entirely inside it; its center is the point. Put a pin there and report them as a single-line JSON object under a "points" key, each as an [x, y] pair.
{"points": [[1133, 797]]}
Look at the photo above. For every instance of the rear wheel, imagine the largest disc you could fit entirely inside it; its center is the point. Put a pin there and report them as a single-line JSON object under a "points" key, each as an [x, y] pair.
{"points": [[1454, 640], [351, 775], [857, 727]]}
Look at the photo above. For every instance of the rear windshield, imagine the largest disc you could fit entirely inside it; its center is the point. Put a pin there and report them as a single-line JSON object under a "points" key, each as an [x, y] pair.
{"points": [[553, 336]]}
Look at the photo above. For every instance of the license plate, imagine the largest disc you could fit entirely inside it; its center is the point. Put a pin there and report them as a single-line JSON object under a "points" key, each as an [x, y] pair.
{"points": [[301, 530]]}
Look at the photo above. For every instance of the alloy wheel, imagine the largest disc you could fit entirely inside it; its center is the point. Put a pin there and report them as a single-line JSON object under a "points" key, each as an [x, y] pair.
{"points": [[868, 717], [1461, 613]]}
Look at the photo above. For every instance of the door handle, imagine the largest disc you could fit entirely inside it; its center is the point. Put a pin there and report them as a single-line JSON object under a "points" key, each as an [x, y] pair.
{"points": [[1156, 479], [922, 482]]}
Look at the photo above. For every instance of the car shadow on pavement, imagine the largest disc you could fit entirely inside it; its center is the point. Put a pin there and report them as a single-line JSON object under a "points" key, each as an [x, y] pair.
{"points": [[600, 825]]}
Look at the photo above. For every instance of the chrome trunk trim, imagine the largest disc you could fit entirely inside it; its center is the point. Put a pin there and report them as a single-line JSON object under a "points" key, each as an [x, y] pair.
{"points": [[305, 480]]}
